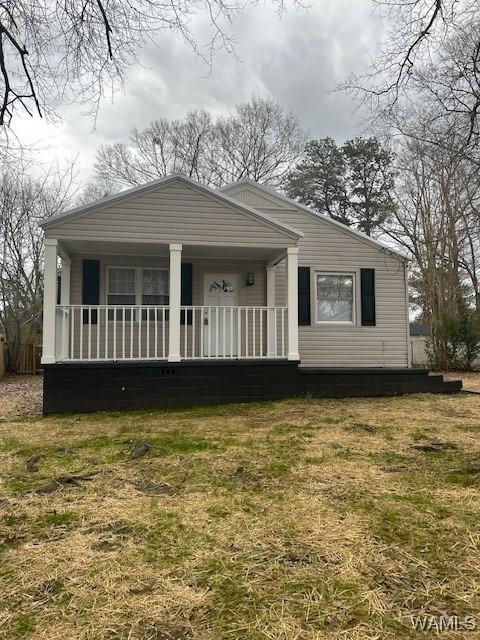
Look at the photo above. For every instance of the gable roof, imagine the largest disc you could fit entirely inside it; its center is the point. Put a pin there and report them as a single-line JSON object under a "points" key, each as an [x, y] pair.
{"points": [[264, 218], [293, 204]]}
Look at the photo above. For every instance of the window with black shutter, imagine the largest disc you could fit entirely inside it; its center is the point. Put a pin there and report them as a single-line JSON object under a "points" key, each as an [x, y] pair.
{"points": [[90, 289], [304, 314], [186, 295], [367, 286]]}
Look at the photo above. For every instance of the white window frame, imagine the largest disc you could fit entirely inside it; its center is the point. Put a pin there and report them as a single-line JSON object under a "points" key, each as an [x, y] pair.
{"points": [[348, 323], [138, 283]]}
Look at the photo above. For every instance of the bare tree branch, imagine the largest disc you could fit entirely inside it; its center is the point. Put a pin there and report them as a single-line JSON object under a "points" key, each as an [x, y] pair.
{"points": [[258, 139], [53, 52]]}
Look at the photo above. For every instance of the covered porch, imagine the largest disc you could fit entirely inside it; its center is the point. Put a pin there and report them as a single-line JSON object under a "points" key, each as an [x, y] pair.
{"points": [[110, 301]]}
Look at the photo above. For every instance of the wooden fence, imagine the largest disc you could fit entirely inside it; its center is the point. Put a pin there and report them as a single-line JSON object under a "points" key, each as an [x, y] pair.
{"points": [[3, 357], [28, 360]]}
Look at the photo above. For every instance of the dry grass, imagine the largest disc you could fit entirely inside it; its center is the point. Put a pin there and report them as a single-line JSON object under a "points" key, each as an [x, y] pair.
{"points": [[296, 520], [470, 379], [20, 395]]}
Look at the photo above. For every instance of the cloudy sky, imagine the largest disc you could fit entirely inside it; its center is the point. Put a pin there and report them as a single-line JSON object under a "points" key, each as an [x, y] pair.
{"points": [[299, 59]]}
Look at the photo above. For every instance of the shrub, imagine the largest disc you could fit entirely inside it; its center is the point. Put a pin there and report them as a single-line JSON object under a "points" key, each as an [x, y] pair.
{"points": [[455, 341]]}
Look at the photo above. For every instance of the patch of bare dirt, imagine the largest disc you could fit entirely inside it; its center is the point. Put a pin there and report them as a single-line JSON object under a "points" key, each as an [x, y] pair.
{"points": [[20, 396]]}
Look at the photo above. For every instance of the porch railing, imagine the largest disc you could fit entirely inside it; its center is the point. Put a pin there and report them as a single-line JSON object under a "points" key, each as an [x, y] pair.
{"points": [[116, 332], [111, 332], [233, 333]]}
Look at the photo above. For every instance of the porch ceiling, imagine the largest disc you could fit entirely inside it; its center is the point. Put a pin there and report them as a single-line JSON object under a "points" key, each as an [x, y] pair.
{"points": [[84, 247]]}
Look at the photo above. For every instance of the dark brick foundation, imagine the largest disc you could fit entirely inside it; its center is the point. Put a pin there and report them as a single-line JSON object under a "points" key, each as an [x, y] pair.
{"points": [[111, 386]]}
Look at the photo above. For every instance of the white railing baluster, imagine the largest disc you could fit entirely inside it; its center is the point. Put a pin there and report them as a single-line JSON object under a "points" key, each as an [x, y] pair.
{"points": [[82, 311], [123, 333], [64, 333], [223, 332], [139, 310], [72, 335], [202, 323], [115, 333], [261, 333], [216, 332], [131, 333], [185, 332], [276, 330], [156, 333], [147, 348], [193, 332], [107, 317], [89, 334], [99, 327], [231, 332], [254, 337], [209, 333], [239, 332], [164, 319]]}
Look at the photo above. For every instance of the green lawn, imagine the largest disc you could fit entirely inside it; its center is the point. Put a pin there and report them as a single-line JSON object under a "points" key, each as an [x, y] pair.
{"points": [[295, 520]]}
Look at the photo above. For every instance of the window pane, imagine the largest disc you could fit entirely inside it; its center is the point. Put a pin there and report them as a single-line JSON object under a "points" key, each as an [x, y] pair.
{"points": [[155, 300], [121, 281], [334, 298], [121, 299], [334, 287], [334, 311], [155, 283]]}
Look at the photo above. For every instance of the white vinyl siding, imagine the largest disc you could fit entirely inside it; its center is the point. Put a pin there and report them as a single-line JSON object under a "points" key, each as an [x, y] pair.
{"points": [[172, 213]]}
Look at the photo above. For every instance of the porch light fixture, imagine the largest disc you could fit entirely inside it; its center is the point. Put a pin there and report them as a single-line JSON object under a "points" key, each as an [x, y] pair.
{"points": [[250, 280]]}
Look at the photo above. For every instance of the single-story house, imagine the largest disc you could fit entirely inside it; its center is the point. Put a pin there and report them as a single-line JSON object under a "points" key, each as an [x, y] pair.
{"points": [[173, 293]]}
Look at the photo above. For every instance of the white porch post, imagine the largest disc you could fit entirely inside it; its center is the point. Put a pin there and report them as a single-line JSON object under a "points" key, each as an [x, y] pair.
{"points": [[49, 300], [270, 313], [65, 280], [63, 315], [174, 303], [292, 302]]}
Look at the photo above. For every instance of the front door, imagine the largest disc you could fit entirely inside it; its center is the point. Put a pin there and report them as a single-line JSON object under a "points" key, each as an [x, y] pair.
{"points": [[221, 297]]}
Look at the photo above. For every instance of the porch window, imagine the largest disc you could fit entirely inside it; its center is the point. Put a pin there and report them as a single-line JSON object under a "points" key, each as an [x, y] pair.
{"points": [[154, 287], [135, 286], [121, 286], [335, 297]]}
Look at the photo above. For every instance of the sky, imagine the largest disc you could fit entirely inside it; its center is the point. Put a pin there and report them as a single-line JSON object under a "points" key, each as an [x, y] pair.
{"points": [[299, 59]]}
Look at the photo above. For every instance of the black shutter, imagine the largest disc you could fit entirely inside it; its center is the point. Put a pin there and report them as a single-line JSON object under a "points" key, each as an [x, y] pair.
{"points": [[367, 285], [59, 289], [90, 288], [186, 295], [304, 318]]}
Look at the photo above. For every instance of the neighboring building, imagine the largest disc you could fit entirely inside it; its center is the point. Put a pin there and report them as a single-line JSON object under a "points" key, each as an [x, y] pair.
{"points": [[419, 335], [173, 293]]}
